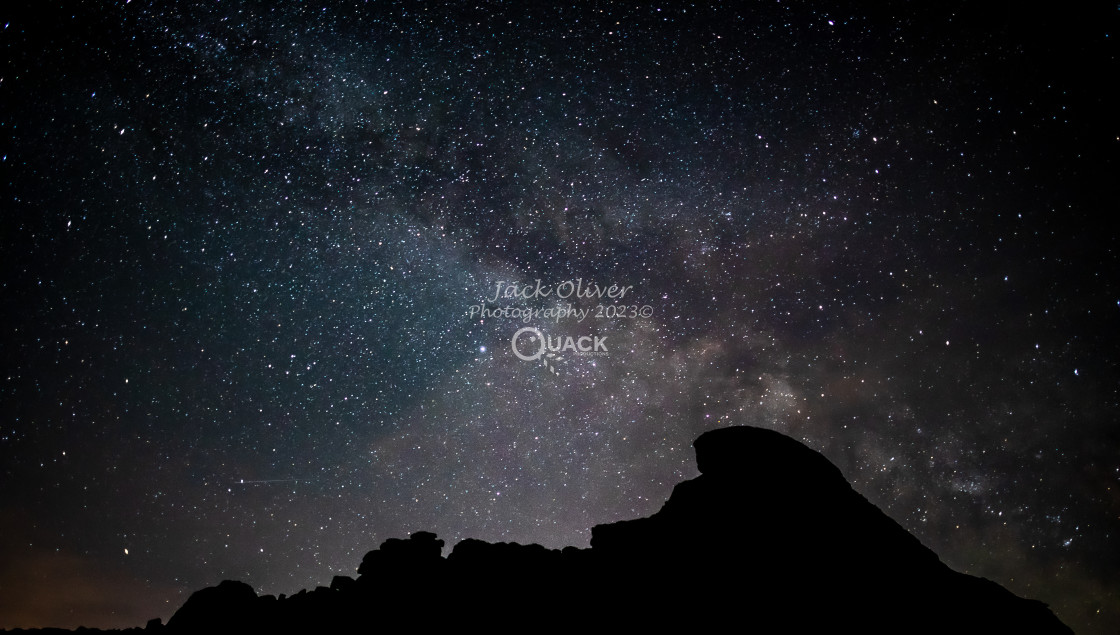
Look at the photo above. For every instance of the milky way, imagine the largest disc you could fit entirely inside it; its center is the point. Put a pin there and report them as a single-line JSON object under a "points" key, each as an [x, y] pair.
{"points": [[241, 245]]}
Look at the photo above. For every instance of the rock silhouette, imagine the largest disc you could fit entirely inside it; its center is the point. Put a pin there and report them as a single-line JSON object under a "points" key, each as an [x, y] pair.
{"points": [[769, 538]]}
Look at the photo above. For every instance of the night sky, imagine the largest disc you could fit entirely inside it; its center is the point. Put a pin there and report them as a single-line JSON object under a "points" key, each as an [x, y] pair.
{"points": [[241, 244]]}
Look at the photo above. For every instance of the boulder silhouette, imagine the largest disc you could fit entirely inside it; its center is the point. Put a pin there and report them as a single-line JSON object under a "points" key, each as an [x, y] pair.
{"points": [[228, 606], [420, 554], [770, 537], [773, 521]]}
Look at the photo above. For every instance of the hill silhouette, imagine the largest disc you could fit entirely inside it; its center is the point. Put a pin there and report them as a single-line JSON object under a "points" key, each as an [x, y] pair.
{"points": [[770, 538]]}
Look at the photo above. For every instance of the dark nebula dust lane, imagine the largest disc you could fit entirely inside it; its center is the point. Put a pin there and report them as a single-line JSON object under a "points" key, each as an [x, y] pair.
{"points": [[246, 249]]}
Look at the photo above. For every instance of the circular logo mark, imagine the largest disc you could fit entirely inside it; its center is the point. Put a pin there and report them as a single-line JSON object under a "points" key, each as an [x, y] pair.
{"points": [[535, 335]]}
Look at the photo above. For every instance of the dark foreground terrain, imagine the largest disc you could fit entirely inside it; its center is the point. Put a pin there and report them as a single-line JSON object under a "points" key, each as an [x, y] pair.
{"points": [[769, 538]]}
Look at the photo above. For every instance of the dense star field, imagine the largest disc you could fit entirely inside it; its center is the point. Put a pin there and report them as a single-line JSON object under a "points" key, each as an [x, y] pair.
{"points": [[241, 244]]}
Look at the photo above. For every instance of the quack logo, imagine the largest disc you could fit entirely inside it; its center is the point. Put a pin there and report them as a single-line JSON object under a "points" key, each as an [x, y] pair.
{"points": [[530, 344]]}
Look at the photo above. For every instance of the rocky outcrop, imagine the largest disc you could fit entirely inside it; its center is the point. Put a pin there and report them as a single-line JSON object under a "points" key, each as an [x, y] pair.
{"points": [[770, 538]]}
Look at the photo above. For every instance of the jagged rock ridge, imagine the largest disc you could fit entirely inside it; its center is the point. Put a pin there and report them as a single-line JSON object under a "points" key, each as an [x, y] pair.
{"points": [[769, 537]]}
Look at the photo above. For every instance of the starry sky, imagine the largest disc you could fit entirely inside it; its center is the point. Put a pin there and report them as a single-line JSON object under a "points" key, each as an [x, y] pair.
{"points": [[241, 243]]}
